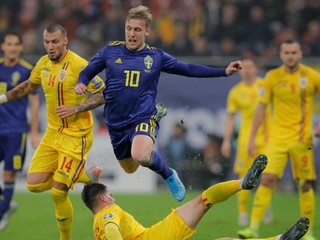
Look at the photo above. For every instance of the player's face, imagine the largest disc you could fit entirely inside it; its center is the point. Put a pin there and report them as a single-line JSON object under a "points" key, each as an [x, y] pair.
{"points": [[136, 32], [55, 44], [249, 69], [290, 54], [107, 198], [11, 47]]}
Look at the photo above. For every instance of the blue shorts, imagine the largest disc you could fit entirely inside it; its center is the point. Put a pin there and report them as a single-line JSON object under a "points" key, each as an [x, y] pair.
{"points": [[13, 150], [121, 139]]}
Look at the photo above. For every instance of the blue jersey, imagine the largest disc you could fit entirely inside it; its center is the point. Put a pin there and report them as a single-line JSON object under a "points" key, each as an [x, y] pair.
{"points": [[13, 116], [132, 79]]}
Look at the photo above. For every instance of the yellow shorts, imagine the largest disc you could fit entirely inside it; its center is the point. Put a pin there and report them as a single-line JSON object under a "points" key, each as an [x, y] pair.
{"points": [[301, 156], [62, 155], [170, 228], [243, 161]]}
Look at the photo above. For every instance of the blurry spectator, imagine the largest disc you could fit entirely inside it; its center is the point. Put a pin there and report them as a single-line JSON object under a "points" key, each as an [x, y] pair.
{"points": [[217, 165], [177, 147], [182, 45], [258, 34], [311, 39], [197, 24], [201, 47]]}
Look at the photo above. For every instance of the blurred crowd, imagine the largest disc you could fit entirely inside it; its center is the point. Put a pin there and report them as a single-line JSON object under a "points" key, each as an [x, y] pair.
{"points": [[182, 28]]}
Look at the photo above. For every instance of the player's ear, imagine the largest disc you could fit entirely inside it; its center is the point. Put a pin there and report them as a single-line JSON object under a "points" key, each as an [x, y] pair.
{"points": [[148, 31], [66, 40], [102, 197]]}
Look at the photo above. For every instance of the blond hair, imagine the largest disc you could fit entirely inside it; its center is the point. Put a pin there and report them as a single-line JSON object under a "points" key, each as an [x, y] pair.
{"points": [[140, 12]]}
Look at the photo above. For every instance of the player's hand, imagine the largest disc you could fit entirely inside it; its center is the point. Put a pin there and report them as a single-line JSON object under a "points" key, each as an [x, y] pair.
{"points": [[317, 131], [64, 111], [233, 67], [226, 149], [35, 140], [252, 148], [80, 89]]}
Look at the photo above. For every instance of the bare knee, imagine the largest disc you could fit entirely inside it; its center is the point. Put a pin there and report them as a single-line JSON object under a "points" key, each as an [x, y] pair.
{"points": [[9, 176], [304, 185], [141, 158], [269, 180]]}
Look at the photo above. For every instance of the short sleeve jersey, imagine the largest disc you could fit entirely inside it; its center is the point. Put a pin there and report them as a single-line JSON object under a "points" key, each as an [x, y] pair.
{"points": [[13, 117], [58, 81], [292, 98], [129, 228], [244, 99]]}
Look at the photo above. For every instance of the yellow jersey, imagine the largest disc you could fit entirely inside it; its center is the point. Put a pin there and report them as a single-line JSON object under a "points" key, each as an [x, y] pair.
{"points": [[243, 98], [129, 228], [292, 98], [58, 81]]}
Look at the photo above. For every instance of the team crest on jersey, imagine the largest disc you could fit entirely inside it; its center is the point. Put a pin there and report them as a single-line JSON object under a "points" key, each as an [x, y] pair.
{"points": [[15, 78], [148, 61], [62, 75], [303, 82], [106, 216]]}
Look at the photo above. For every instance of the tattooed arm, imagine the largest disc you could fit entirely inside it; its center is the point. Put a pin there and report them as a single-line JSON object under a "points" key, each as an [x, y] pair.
{"points": [[93, 102], [19, 91]]}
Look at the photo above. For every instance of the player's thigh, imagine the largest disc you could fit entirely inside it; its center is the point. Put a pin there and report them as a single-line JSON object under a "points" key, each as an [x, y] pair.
{"points": [[171, 227], [302, 161], [72, 155], [13, 149], [277, 155], [45, 158]]}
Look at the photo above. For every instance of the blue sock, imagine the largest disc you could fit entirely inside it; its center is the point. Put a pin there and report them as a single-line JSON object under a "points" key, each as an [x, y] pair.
{"points": [[6, 197], [158, 165]]}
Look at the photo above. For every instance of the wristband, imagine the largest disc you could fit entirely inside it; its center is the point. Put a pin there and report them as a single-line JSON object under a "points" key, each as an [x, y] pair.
{"points": [[3, 98]]}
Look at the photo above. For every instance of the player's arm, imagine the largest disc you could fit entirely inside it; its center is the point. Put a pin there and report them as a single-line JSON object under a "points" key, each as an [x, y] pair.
{"points": [[112, 231], [258, 118], [94, 67], [227, 137], [34, 124], [94, 101], [172, 65], [19, 91]]}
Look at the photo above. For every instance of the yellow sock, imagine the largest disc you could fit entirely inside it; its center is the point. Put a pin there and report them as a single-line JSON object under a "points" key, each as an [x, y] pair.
{"points": [[64, 212], [220, 192], [40, 187], [243, 201], [261, 202], [307, 205], [84, 178]]}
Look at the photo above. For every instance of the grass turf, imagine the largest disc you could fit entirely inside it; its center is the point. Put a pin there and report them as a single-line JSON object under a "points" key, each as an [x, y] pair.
{"points": [[34, 219]]}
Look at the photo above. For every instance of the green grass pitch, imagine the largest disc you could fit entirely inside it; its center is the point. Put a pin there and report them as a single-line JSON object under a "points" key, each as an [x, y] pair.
{"points": [[35, 220]]}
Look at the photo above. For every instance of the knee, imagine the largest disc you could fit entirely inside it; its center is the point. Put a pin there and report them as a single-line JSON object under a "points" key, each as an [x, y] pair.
{"points": [[141, 158], [58, 195], [34, 187], [304, 185], [269, 180]]}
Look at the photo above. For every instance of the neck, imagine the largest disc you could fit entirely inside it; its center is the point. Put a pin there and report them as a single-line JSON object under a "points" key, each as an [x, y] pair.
{"points": [[11, 62], [292, 69], [64, 53]]}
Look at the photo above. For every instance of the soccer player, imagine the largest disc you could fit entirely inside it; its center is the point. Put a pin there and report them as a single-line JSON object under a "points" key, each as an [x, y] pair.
{"points": [[132, 73], [14, 125], [60, 159], [291, 89], [243, 99], [112, 222]]}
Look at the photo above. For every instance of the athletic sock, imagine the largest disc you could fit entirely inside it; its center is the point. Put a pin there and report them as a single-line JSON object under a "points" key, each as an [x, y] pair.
{"points": [[307, 205], [6, 197], [64, 212], [261, 202], [243, 201], [158, 165], [220, 192]]}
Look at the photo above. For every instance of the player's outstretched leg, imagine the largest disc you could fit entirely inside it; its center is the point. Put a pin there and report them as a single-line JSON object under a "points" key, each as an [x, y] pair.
{"points": [[94, 174], [252, 178], [176, 186], [161, 109], [297, 231]]}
